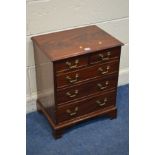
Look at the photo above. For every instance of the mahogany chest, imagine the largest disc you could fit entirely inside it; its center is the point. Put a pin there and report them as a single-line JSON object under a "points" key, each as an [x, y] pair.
{"points": [[82, 67]]}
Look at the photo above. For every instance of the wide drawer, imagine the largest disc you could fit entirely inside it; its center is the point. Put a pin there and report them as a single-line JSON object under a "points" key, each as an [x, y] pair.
{"points": [[74, 110], [105, 55], [87, 73], [71, 63], [86, 89]]}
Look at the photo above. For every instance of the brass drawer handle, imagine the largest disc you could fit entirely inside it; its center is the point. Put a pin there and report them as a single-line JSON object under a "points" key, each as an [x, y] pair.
{"points": [[69, 64], [72, 80], [104, 58], [72, 95], [103, 87], [102, 71], [72, 113], [101, 103]]}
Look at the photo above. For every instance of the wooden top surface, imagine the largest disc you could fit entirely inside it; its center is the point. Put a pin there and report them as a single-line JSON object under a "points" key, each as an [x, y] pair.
{"points": [[79, 41]]}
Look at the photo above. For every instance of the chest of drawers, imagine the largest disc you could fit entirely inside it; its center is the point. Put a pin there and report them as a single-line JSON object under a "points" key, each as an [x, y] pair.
{"points": [[80, 68]]}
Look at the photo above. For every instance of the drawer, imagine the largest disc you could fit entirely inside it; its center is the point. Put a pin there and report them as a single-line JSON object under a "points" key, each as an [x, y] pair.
{"points": [[87, 73], [77, 109], [105, 55], [71, 63], [88, 88]]}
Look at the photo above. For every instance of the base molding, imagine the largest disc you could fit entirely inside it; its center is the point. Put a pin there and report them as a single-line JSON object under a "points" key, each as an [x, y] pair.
{"points": [[59, 129]]}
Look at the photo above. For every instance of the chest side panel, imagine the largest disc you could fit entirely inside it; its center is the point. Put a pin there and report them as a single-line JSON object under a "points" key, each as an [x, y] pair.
{"points": [[45, 81]]}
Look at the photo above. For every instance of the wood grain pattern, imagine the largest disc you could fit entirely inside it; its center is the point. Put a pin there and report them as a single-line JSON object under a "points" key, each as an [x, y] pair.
{"points": [[86, 106], [86, 89], [45, 78], [83, 81], [70, 43], [87, 73], [58, 128], [62, 66], [105, 55]]}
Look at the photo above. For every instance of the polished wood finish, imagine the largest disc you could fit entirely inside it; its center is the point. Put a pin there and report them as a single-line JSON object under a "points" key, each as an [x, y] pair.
{"points": [[70, 43], [85, 74], [45, 80], [86, 89], [77, 73], [59, 128], [105, 55], [86, 106], [71, 64]]}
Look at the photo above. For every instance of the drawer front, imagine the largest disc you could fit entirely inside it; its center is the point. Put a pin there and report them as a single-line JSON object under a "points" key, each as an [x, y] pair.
{"points": [[105, 55], [71, 63], [87, 73], [83, 107], [86, 89]]}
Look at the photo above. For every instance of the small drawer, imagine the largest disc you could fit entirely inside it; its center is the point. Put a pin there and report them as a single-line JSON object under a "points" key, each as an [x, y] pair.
{"points": [[77, 109], [71, 63], [87, 73], [105, 55], [85, 89]]}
